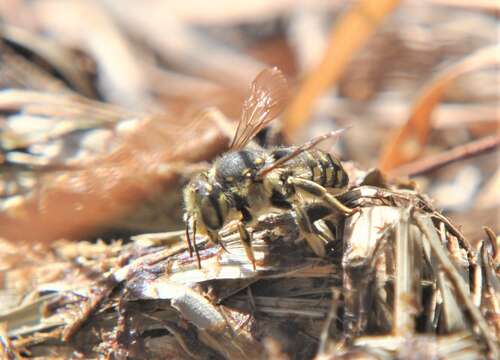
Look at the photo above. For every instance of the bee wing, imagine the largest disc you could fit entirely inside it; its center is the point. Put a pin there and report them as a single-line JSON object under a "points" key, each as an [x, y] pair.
{"points": [[306, 146], [267, 99]]}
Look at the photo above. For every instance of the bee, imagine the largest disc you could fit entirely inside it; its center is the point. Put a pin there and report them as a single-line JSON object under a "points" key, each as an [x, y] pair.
{"points": [[248, 181]]}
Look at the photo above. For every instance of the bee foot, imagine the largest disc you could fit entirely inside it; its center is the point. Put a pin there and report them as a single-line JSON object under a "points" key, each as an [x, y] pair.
{"points": [[224, 247], [352, 211]]}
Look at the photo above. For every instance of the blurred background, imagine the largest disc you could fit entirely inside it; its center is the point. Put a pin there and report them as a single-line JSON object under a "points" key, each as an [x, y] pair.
{"points": [[100, 101]]}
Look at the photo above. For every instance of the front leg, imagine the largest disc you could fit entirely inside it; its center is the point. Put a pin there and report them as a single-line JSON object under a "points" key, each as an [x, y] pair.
{"points": [[246, 240], [320, 192]]}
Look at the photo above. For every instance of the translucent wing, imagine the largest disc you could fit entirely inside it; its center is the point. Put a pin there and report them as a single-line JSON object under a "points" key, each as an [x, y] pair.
{"points": [[306, 146], [268, 96]]}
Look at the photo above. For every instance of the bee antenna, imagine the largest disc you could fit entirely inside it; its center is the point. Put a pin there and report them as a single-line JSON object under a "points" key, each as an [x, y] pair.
{"points": [[188, 239], [194, 244], [306, 146]]}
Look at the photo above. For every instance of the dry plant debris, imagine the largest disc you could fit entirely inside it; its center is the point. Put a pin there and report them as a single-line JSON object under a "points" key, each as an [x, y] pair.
{"points": [[411, 139], [105, 116], [398, 276], [347, 37]]}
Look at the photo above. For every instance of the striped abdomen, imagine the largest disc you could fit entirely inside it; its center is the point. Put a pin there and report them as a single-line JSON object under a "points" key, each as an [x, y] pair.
{"points": [[317, 166]]}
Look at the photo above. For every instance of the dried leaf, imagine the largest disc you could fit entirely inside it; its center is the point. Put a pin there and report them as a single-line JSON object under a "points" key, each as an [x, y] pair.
{"points": [[71, 203]]}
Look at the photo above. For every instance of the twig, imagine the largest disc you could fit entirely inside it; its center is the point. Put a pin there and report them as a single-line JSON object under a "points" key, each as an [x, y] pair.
{"points": [[461, 152], [412, 138], [403, 323], [332, 315], [88, 308], [492, 237], [459, 285], [347, 37]]}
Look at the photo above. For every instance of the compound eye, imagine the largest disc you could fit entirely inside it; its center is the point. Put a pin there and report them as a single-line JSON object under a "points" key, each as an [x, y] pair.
{"points": [[211, 214]]}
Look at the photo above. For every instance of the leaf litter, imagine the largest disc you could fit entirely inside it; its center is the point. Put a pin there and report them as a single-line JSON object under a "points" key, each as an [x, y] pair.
{"points": [[88, 147]]}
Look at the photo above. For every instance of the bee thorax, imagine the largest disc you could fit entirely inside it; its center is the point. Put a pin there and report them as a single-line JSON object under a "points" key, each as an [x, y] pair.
{"points": [[233, 167]]}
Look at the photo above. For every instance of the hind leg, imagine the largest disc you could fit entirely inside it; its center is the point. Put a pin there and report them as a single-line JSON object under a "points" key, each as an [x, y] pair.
{"points": [[321, 193]]}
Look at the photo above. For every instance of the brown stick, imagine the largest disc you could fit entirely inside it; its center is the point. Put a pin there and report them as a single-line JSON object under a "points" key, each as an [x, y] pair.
{"points": [[461, 152]]}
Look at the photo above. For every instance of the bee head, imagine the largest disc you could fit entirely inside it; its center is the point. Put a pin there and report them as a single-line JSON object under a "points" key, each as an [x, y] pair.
{"points": [[206, 204]]}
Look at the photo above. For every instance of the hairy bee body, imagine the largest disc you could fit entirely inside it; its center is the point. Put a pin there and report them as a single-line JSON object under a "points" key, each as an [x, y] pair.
{"points": [[245, 182], [232, 190]]}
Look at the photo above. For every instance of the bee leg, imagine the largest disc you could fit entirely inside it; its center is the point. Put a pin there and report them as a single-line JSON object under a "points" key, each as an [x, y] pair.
{"points": [[188, 239], [224, 247], [307, 231], [246, 239], [323, 231], [198, 260], [319, 191]]}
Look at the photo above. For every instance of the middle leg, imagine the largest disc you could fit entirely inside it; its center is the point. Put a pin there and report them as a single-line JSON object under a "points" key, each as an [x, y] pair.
{"points": [[307, 230]]}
